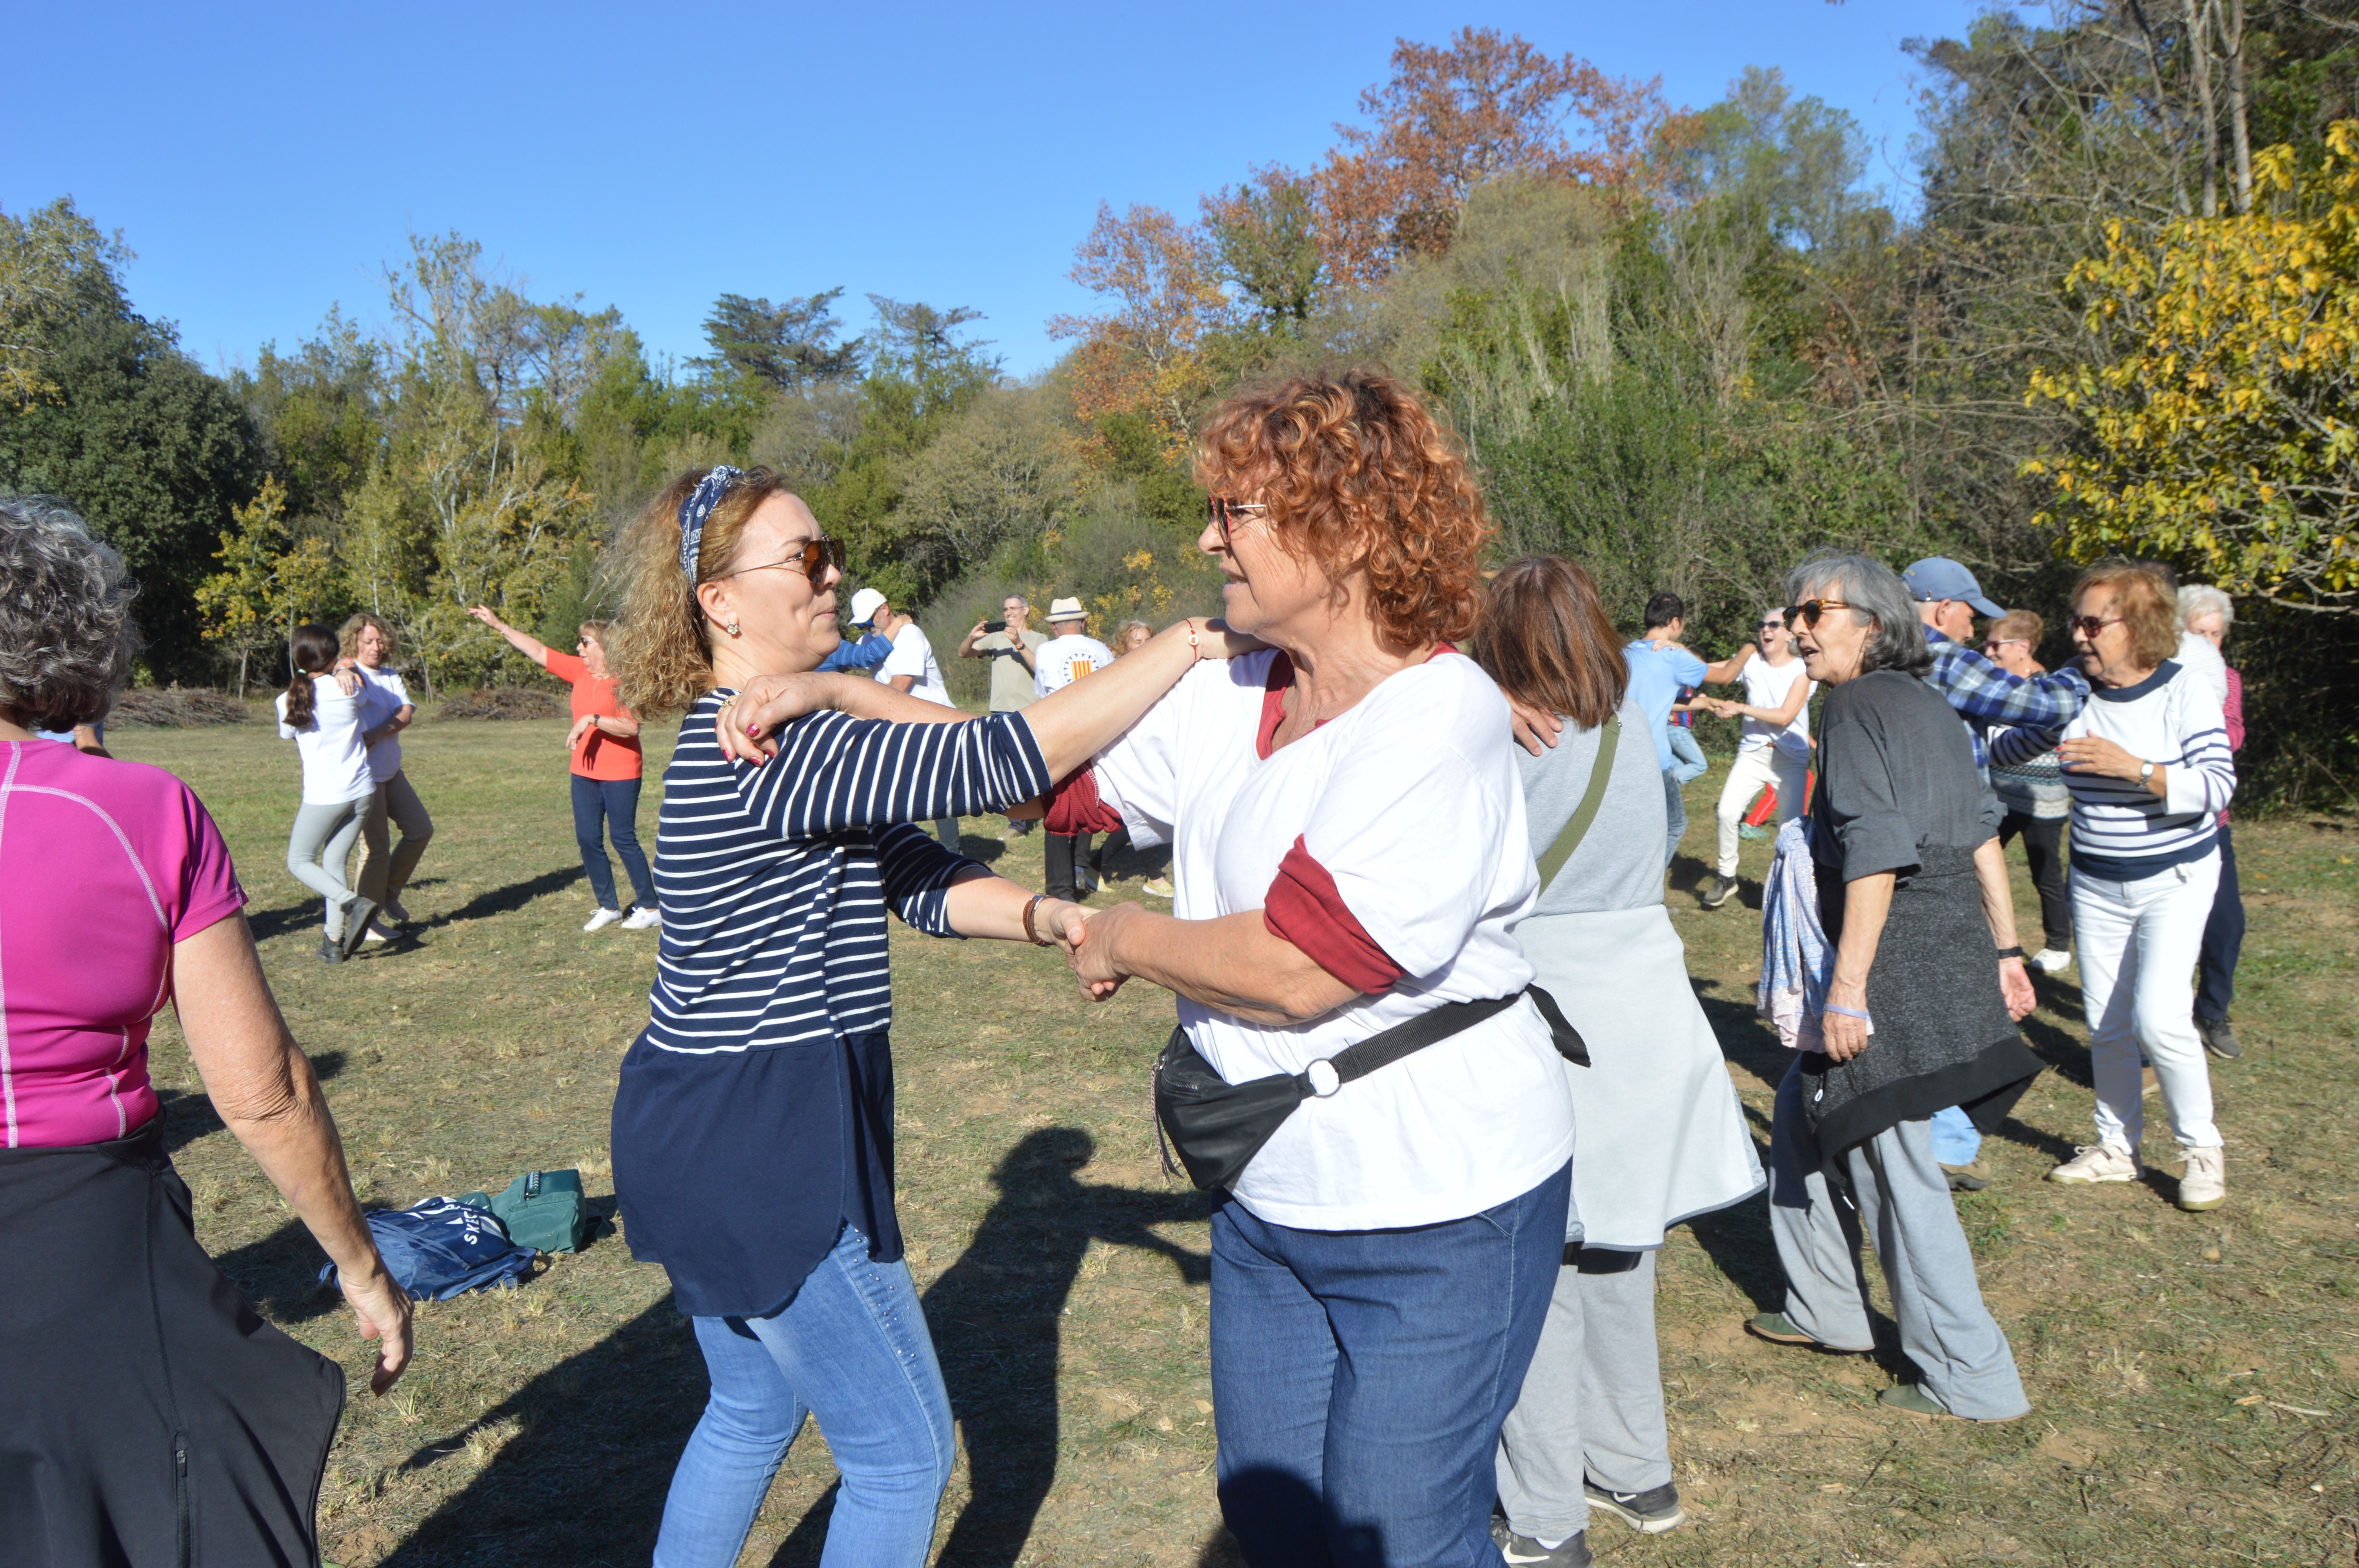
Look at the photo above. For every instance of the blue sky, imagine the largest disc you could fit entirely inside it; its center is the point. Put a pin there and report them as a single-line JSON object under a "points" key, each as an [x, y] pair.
{"points": [[264, 161]]}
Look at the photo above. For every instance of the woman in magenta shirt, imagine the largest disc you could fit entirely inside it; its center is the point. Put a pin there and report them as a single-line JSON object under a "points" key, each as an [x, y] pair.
{"points": [[151, 1417]]}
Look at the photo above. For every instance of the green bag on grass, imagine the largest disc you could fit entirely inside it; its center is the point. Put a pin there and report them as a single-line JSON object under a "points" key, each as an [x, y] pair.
{"points": [[543, 1210]]}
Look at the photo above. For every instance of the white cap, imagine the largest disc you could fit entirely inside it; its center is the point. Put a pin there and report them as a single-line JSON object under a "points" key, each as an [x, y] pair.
{"points": [[865, 606], [1067, 610]]}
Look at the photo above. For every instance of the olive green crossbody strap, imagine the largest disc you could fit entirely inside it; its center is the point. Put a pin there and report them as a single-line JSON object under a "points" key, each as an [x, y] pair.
{"points": [[1608, 740]]}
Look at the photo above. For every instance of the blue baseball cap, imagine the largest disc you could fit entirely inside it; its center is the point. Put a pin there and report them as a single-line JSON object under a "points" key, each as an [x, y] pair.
{"points": [[1939, 576]]}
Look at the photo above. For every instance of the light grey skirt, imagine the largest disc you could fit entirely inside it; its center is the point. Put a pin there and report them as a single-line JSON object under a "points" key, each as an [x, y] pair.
{"points": [[1659, 1136]]}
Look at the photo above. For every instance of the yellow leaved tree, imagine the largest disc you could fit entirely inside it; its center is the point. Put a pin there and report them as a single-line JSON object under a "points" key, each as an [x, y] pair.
{"points": [[2222, 425]]}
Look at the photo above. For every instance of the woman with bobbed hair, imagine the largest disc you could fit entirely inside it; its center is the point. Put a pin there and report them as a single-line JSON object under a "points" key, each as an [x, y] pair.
{"points": [[752, 1125], [152, 1416], [368, 645], [1908, 1000], [1661, 1138], [1350, 850], [2148, 761]]}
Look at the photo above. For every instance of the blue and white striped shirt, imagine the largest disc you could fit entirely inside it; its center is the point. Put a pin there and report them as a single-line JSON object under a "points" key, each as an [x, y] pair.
{"points": [[774, 880], [2121, 829]]}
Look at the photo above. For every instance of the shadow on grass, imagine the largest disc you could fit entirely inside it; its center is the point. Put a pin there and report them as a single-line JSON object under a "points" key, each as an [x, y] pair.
{"points": [[286, 917], [976, 846], [994, 1315], [589, 1456]]}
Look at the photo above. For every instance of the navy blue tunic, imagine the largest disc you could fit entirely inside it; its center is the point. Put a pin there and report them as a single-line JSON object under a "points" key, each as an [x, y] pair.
{"points": [[755, 1114]]}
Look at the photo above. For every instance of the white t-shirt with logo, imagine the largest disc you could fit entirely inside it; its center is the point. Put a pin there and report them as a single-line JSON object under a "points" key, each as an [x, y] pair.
{"points": [[912, 654], [1411, 803], [1060, 661], [335, 764], [1768, 686], [383, 694]]}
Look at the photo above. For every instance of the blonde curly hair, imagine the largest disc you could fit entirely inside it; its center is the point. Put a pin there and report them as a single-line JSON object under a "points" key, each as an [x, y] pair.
{"points": [[660, 648]]}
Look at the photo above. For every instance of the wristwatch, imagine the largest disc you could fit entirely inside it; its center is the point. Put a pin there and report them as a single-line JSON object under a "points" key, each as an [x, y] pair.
{"points": [[2146, 773]]}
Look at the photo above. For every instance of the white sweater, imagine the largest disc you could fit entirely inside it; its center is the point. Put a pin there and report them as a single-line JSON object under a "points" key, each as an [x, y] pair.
{"points": [[335, 763], [2120, 828]]}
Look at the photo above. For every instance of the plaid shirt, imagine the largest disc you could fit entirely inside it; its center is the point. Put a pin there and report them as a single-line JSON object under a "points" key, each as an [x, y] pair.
{"points": [[1988, 697]]}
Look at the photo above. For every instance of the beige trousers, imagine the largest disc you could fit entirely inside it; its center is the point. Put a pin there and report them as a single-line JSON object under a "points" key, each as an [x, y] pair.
{"points": [[383, 875]]}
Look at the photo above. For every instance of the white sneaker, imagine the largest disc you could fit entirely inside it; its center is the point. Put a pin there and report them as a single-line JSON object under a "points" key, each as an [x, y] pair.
{"points": [[641, 918], [2050, 960], [2097, 1163], [376, 932], [2205, 1184], [603, 919]]}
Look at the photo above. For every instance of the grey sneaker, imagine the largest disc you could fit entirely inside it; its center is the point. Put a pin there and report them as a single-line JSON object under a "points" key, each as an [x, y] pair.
{"points": [[330, 952], [356, 925], [1525, 1553], [1722, 889], [2218, 1038], [1649, 1512]]}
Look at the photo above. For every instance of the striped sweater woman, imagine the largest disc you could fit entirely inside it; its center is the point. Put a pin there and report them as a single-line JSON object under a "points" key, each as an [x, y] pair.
{"points": [[2148, 766], [753, 1126]]}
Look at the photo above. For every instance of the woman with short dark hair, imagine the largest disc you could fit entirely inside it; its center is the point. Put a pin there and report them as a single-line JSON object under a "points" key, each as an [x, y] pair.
{"points": [[152, 1415], [2148, 761], [1909, 1000], [1660, 1136]]}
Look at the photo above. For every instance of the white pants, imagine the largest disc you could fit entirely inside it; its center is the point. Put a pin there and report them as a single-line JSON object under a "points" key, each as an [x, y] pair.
{"points": [[2138, 942], [1755, 767]]}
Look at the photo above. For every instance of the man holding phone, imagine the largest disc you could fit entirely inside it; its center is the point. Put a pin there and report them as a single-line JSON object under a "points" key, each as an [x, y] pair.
{"points": [[1011, 646]]}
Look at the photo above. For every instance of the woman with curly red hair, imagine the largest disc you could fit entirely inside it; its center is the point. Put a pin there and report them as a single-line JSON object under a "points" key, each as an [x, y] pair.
{"points": [[1350, 850]]}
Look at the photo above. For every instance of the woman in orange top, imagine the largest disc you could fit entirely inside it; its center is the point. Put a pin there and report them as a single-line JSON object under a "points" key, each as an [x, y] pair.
{"points": [[606, 762]]}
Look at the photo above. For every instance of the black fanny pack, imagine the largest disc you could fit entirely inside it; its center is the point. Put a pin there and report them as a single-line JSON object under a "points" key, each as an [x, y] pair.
{"points": [[1218, 1127]]}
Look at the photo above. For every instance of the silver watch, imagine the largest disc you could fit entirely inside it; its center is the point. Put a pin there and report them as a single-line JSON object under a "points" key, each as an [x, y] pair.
{"points": [[2146, 773]]}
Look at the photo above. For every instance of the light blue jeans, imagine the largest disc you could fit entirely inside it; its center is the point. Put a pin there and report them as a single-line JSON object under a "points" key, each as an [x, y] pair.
{"points": [[1955, 1141], [1690, 763], [852, 1349]]}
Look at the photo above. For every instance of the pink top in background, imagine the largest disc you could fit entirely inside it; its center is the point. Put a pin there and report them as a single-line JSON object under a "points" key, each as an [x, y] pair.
{"points": [[104, 866]]}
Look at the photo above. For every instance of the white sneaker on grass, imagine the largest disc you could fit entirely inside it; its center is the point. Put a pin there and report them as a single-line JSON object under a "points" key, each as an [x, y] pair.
{"points": [[2093, 1162], [643, 916], [2050, 960], [603, 919], [376, 933], [2205, 1184]]}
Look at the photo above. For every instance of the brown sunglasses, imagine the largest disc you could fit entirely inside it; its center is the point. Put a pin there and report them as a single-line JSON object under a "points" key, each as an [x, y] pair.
{"points": [[1225, 513], [2090, 625], [816, 556], [1806, 614]]}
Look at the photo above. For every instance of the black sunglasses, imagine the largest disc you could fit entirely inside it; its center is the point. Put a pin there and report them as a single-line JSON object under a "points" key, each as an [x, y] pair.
{"points": [[815, 556]]}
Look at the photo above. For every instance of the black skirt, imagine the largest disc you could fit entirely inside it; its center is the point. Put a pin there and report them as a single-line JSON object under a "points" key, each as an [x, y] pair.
{"points": [[147, 1415]]}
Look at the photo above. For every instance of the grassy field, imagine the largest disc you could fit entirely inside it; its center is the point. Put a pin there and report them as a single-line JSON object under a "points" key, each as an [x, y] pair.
{"points": [[2194, 1378]]}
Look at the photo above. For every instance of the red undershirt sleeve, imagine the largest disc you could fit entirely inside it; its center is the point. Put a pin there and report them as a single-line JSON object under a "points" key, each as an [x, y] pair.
{"points": [[1305, 907], [1075, 807]]}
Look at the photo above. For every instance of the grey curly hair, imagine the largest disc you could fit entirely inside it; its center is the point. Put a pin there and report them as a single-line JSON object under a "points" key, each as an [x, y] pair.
{"points": [[66, 635]]}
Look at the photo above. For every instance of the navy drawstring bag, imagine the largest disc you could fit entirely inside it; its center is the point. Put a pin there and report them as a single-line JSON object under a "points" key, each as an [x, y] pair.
{"points": [[441, 1248]]}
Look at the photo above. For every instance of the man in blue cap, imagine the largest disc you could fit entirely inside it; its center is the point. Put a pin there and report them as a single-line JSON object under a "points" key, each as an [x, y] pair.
{"points": [[1987, 697]]}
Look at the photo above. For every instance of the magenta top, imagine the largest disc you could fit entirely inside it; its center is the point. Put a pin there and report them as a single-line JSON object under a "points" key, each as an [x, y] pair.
{"points": [[104, 866]]}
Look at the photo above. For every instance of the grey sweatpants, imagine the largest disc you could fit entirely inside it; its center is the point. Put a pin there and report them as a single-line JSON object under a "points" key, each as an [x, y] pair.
{"points": [[383, 875], [316, 849], [1592, 1400], [1905, 1208]]}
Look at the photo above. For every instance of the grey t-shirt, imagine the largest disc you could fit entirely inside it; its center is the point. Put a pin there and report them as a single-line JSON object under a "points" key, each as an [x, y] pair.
{"points": [[1011, 683], [1896, 774], [1620, 862]]}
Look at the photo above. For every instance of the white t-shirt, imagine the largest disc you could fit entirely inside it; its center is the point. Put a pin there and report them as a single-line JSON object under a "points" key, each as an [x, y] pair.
{"points": [[1768, 686], [383, 694], [1411, 803], [1060, 661], [335, 766], [912, 654]]}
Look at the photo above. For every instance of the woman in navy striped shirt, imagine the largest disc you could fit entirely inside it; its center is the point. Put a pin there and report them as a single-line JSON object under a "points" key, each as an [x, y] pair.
{"points": [[2147, 762], [752, 1130]]}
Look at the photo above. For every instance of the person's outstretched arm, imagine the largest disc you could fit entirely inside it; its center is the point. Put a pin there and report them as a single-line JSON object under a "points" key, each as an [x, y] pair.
{"points": [[530, 646], [262, 1085], [1070, 726]]}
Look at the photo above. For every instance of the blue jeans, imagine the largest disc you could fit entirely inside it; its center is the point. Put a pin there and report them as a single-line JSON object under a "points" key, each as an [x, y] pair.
{"points": [[852, 1349], [1955, 1139], [1361, 1377], [1675, 807], [2223, 940], [1690, 765], [617, 802]]}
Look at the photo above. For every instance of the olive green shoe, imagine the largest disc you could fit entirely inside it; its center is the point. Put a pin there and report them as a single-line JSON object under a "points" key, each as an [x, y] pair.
{"points": [[1779, 1329], [1910, 1398]]}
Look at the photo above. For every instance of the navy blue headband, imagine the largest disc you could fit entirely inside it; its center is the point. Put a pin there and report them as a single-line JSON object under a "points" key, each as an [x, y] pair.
{"points": [[697, 508]]}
